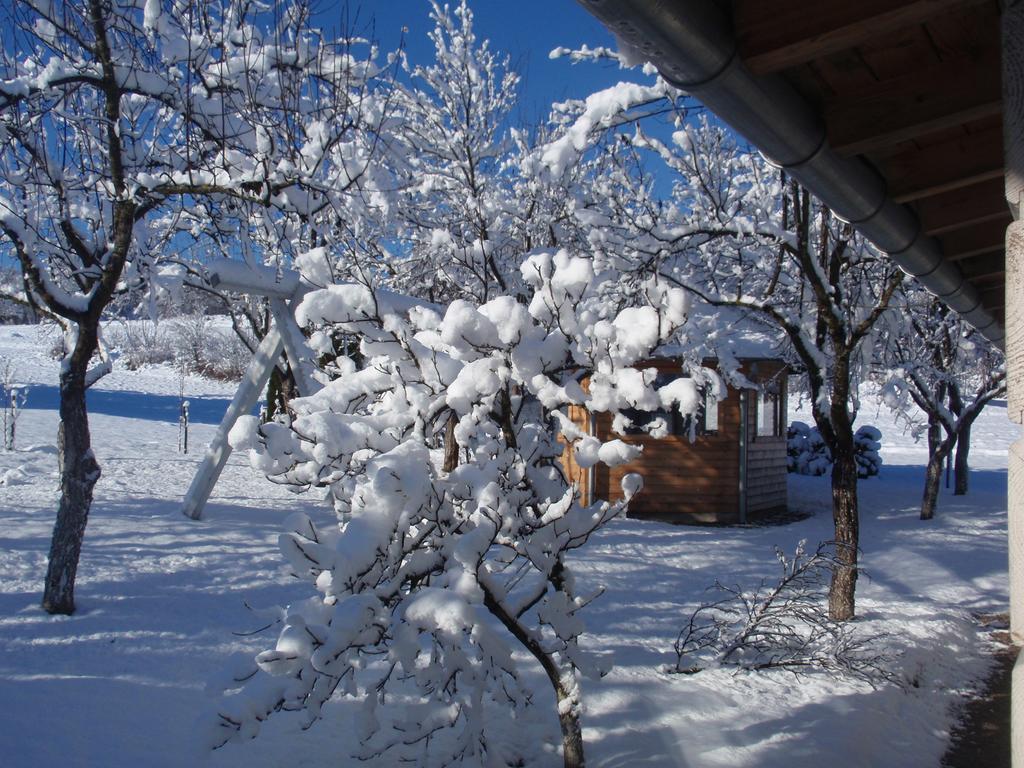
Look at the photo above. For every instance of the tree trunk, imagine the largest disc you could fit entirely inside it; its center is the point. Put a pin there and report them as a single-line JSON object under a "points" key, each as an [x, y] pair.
{"points": [[938, 451], [451, 447], [932, 483], [281, 390], [78, 475], [961, 471], [566, 688], [572, 734], [841, 603]]}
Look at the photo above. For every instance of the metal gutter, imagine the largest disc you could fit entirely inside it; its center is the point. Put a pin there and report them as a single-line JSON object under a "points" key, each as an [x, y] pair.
{"points": [[692, 44]]}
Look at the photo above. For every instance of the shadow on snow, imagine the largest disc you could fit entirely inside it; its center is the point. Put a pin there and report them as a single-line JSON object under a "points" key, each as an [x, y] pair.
{"points": [[133, 405]]}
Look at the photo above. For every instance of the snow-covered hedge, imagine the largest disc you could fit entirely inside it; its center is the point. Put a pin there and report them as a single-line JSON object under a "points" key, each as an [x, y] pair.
{"points": [[807, 454], [200, 344]]}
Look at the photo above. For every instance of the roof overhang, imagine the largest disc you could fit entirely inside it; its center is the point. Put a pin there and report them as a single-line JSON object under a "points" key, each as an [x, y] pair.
{"points": [[888, 110]]}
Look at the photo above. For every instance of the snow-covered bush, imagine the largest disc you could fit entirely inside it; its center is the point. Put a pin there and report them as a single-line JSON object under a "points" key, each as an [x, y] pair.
{"points": [[867, 442], [781, 625], [141, 342], [207, 348], [227, 357], [193, 341], [807, 453], [455, 520]]}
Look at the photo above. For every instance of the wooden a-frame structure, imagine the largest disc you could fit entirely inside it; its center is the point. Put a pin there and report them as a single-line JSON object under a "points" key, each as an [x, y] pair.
{"points": [[284, 289]]}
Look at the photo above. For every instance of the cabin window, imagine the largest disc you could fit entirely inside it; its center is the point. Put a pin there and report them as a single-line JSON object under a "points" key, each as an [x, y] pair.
{"points": [[704, 421], [709, 410], [769, 414], [642, 421]]}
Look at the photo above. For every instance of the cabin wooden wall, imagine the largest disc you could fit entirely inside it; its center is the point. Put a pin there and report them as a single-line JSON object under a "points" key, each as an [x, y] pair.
{"points": [[574, 472], [683, 481], [695, 482], [766, 456]]}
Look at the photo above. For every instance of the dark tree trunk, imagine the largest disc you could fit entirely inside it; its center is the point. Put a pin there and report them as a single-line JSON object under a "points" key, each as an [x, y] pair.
{"points": [[932, 484], [841, 602], [281, 389], [961, 470], [938, 452], [572, 735], [451, 447], [837, 429], [78, 475]]}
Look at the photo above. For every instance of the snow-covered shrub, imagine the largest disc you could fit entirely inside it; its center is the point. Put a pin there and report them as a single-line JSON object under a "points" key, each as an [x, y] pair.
{"points": [[209, 350], [141, 342], [193, 341], [454, 518], [780, 625], [867, 442], [806, 452]]}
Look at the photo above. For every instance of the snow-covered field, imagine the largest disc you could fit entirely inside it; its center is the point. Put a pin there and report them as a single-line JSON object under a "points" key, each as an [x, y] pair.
{"points": [[164, 602]]}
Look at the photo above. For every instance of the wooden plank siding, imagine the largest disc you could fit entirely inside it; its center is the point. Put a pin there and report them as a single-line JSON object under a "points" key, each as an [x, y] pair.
{"points": [[573, 471], [766, 475], [683, 481], [766, 455], [696, 482]]}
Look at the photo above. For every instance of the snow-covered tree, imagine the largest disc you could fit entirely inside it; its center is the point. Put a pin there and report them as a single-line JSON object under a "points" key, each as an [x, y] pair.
{"points": [[736, 233], [827, 290], [941, 375], [455, 218], [455, 521], [116, 121]]}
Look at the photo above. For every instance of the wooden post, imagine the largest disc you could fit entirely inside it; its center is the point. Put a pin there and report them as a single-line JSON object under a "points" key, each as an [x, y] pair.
{"points": [[249, 391], [300, 358], [1013, 146], [284, 288]]}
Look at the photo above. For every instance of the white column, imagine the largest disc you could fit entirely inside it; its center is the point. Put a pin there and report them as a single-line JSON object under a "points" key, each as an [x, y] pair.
{"points": [[1015, 411], [1015, 497], [1013, 143]]}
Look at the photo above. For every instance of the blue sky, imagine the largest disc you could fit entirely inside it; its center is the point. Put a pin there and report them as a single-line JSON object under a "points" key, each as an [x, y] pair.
{"points": [[527, 30]]}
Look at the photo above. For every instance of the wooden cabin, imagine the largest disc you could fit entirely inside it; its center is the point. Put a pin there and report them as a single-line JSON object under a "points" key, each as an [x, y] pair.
{"points": [[732, 471]]}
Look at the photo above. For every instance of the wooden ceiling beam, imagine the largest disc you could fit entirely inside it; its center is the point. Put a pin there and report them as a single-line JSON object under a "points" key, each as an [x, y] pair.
{"points": [[963, 162], [778, 35], [982, 268], [914, 104], [963, 207], [976, 240], [987, 281], [993, 298], [982, 249]]}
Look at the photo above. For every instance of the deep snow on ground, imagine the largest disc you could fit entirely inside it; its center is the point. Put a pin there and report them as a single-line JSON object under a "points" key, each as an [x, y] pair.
{"points": [[164, 602]]}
